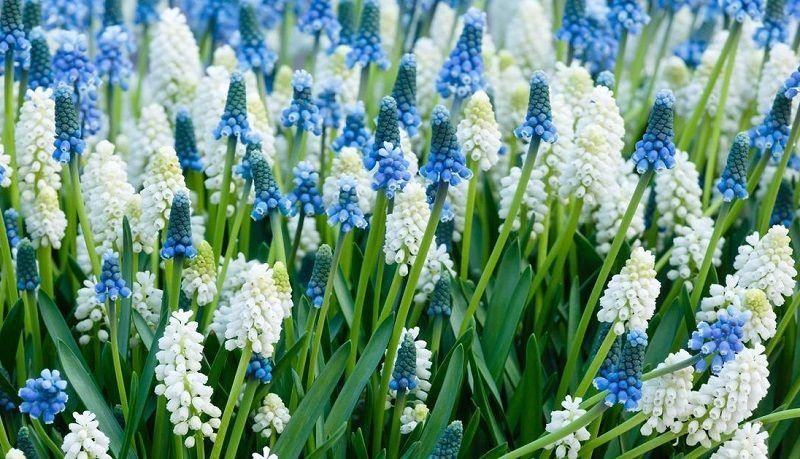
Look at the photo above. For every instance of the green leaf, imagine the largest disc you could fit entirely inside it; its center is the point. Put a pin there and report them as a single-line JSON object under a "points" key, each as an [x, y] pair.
{"points": [[484, 406], [291, 441], [471, 429], [342, 290], [329, 442], [57, 327], [143, 329], [86, 388], [128, 271], [359, 445], [502, 320], [354, 384], [13, 324], [496, 452], [445, 402]]}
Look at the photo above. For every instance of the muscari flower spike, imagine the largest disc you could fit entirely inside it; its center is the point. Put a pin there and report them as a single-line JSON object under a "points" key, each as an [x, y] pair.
{"points": [[179, 230], [346, 15], [783, 212], [576, 28], [68, 128], [302, 112], [31, 15], [440, 302], [621, 373], [773, 133], [13, 30], [319, 17], [346, 210], [691, 50], [10, 217], [722, 339], [387, 130], [113, 57], [259, 368], [447, 210], [449, 444], [733, 182], [444, 233], [405, 93], [27, 271], [268, 196], [44, 397], [252, 52], [305, 197], [112, 13], [539, 118], [366, 47], [773, 29], [462, 72], [446, 163], [327, 102], [234, 118], [111, 285], [606, 79], [656, 149], [40, 71], [25, 443], [740, 10], [391, 174], [627, 16], [404, 373], [319, 275], [146, 12], [355, 133], [185, 142]]}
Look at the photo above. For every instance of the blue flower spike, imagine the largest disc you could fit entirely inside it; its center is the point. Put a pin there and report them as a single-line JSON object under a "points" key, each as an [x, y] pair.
{"points": [[319, 275], [179, 231], [305, 197], [319, 17], [773, 29], [656, 150], [346, 15], [449, 444], [234, 119], [621, 372], [302, 112], [367, 48], [539, 118], [113, 55], [773, 133], [404, 373], [462, 72], [721, 340], [328, 104], [733, 182], [252, 52], [783, 212], [146, 12], [112, 13], [186, 143], [627, 16], [10, 217], [740, 10], [576, 28], [354, 134], [440, 303], [31, 15], [13, 30], [691, 51], [446, 163], [606, 79], [405, 93], [44, 397], [27, 270], [387, 130], [111, 285], [259, 369], [268, 197], [345, 211], [40, 71], [69, 139]]}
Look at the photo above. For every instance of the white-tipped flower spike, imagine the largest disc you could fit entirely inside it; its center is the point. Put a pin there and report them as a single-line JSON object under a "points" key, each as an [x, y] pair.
{"points": [[429, 61], [179, 380], [234, 280], [14, 453], [146, 297], [762, 324], [284, 287], [265, 454], [271, 416], [782, 62], [729, 397], [256, 313], [422, 366], [331, 66], [766, 263], [613, 205], [748, 441], [36, 129], [689, 248], [350, 163], [720, 297], [90, 315], [478, 132], [175, 65], [309, 237], [665, 400], [436, 263], [47, 222], [600, 108], [163, 178], [405, 226], [85, 440], [678, 193], [575, 83], [106, 190], [629, 301], [200, 275], [531, 45], [412, 416], [590, 173], [152, 132], [534, 199], [570, 445]]}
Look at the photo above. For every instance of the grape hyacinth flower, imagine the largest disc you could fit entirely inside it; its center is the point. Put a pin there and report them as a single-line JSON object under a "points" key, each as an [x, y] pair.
{"points": [[773, 28], [305, 197], [621, 374], [12, 28], [27, 270], [73, 66], [478, 132], [773, 133], [6, 171], [575, 26], [446, 163], [366, 48], [345, 210], [766, 263], [268, 196], [783, 212], [317, 18], [252, 52], [405, 227], [629, 301], [327, 102], [605, 79], [656, 149], [271, 417], [354, 133], [462, 72], [146, 12], [85, 440], [346, 16], [44, 397], [113, 55], [722, 339], [179, 230], [627, 16], [391, 170], [733, 182], [186, 143], [112, 13], [25, 443], [440, 301], [749, 440], [405, 94], [319, 275], [259, 368], [111, 285], [740, 10], [200, 275], [69, 139], [10, 217], [449, 444], [302, 113], [234, 119], [691, 50], [40, 71], [387, 130], [404, 375], [539, 119], [31, 15], [666, 399]]}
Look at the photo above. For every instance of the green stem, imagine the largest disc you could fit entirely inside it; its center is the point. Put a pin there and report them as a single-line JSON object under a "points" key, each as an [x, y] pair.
{"points": [[601, 354], [141, 69], [620, 61], [394, 432], [772, 192], [391, 296], [788, 317], [650, 445], [77, 199], [8, 124], [620, 429], [241, 418], [46, 269], [5, 445], [224, 193], [175, 282], [29, 302], [162, 432], [46, 439], [277, 237], [298, 232], [700, 279], [466, 238], [233, 396], [436, 336], [600, 282], [21, 90], [505, 232], [111, 312]]}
